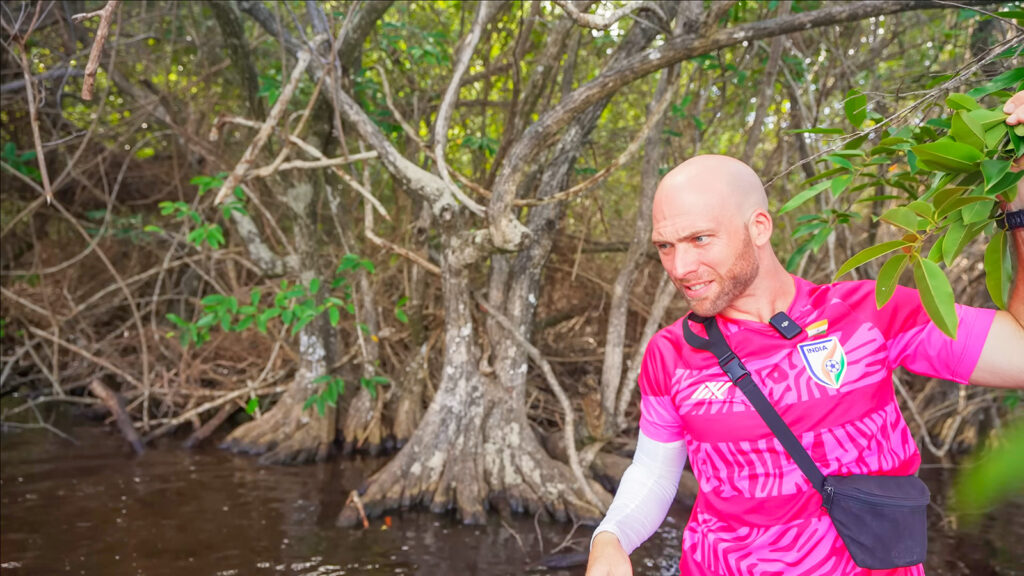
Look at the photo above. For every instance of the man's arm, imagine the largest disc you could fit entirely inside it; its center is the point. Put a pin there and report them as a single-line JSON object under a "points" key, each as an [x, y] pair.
{"points": [[1002, 358], [640, 505]]}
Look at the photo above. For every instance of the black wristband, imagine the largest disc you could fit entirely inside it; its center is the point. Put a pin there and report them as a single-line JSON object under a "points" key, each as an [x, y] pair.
{"points": [[1011, 220]]}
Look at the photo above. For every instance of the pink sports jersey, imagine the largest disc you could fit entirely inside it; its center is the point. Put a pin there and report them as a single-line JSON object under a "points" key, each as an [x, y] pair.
{"points": [[756, 513]]}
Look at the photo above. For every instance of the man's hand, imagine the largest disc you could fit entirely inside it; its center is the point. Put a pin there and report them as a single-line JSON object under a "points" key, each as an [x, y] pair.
{"points": [[607, 557], [1015, 108]]}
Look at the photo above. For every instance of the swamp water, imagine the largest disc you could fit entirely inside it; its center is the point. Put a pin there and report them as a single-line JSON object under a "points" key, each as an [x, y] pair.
{"points": [[94, 508]]}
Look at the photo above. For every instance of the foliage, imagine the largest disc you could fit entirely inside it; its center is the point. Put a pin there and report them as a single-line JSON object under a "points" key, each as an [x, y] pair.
{"points": [[947, 178]]}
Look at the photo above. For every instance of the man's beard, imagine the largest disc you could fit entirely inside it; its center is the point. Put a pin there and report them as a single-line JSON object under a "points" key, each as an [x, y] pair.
{"points": [[734, 282]]}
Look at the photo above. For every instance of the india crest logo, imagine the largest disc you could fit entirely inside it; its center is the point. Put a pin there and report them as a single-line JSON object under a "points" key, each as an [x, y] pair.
{"points": [[825, 361]]}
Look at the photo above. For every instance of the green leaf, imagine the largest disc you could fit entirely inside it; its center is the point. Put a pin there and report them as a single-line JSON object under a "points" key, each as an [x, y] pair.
{"points": [[335, 316], [993, 476], [314, 285], [995, 135], [948, 156], [888, 278], [839, 161], [804, 196], [840, 183], [252, 405], [152, 228], [1003, 81], [855, 106], [870, 253], [993, 170], [995, 281], [903, 217], [988, 119], [936, 295], [923, 209], [967, 130], [962, 102]]}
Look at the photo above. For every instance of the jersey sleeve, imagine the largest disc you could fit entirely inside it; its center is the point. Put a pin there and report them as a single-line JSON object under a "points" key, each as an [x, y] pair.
{"points": [[917, 344], [659, 417]]}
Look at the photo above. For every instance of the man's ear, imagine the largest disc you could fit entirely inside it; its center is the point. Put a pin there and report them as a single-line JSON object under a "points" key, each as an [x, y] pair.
{"points": [[761, 227]]}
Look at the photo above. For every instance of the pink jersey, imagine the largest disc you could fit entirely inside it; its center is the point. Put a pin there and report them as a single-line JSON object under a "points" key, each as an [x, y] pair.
{"points": [[756, 513]]}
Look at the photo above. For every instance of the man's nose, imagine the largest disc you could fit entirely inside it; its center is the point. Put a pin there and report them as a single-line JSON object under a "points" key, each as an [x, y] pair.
{"points": [[683, 263]]}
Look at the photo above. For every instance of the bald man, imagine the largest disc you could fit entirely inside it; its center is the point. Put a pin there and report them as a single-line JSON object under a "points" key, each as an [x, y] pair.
{"points": [[756, 513]]}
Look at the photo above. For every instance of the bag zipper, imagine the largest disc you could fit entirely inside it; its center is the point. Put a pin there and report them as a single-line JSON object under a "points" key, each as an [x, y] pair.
{"points": [[874, 499]]}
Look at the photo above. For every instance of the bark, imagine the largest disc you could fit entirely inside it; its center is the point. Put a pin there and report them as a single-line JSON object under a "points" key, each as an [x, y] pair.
{"points": [[233, 33]]}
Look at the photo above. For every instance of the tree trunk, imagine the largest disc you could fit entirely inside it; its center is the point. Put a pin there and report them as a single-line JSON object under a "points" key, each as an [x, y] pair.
{"points": [[474, 447], [288, 434]]}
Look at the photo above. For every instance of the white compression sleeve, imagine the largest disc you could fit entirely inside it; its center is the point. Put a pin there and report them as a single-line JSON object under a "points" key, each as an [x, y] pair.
{"points": [[645, 492]]}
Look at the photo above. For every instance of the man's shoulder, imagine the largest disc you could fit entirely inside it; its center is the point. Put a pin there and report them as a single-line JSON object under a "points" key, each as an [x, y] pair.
{"points": [[851, 292]]}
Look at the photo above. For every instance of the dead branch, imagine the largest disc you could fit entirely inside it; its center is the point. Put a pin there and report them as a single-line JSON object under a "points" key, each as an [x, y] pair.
{"points": [[264, 132], [106, 17], [33, 114], [485, 12], [605, 22], [211, 425], [115, 405]]}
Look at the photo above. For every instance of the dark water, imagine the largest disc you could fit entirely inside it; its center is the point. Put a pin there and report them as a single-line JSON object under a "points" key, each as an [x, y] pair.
{"points": [[96, 509]]}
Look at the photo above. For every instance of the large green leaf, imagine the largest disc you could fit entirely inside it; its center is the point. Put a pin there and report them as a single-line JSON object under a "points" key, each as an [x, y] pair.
{"points": [[986, 118], [936, 295], [993, 170], [870, 253], [888, 278], [855, 106], [804, 196], [948, 156], [903, 217], [1004, 80], [995, 279], [962, 102], [967, 130]]}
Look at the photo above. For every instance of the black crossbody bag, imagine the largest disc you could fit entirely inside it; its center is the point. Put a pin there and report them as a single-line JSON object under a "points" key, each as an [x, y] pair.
{"points": [[881, 519]]}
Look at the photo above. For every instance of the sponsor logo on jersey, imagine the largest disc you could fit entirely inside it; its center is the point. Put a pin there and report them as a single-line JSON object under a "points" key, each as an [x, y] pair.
{"points": [[825, 361], [710, 390], [819, 328]]}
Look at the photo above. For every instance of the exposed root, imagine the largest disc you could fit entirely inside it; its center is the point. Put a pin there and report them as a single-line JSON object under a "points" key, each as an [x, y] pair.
{"points": [[284, 435], [363, 429], [487, 462]]}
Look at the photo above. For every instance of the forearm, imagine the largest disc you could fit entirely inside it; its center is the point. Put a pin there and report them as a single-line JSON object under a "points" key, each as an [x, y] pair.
{"points": [[645, 492]]}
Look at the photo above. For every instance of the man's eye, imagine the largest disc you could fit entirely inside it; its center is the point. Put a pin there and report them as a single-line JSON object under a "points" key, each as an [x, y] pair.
{"points": [[662, 246], [700, 239]]}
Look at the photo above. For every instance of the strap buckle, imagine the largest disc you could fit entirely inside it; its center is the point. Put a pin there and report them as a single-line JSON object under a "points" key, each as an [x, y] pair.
{"points": [[733, 368]]}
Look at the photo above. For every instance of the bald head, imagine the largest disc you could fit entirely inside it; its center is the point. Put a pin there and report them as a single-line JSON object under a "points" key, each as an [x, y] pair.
{"points": [[719, 184]]}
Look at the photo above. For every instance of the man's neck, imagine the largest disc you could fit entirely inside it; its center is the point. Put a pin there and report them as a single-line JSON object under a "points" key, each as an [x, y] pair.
{"points": [[772, 292]]}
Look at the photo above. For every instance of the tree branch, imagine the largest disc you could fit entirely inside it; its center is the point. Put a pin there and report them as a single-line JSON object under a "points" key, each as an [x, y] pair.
{"points": [[605, 22], [261, 137], [106, 16]]}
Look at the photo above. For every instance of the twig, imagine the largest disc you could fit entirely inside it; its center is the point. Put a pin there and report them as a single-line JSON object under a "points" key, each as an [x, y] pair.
{"points": [[85, 355], [33, 115], [261, 137], [211, 425], [106, 16], [169, 424], [353, 498], [514, 535], [115, 404]]}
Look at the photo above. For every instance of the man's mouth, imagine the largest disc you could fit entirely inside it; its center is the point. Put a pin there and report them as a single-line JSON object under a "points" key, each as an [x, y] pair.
{"points": [[696, 290]]}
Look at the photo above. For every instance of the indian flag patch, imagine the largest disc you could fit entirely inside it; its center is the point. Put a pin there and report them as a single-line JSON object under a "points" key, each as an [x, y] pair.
{"points": [[819, 328], [825, 361]]}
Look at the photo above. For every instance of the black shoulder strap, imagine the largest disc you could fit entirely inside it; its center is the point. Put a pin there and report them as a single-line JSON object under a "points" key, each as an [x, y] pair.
{"points": [[738, 373]]}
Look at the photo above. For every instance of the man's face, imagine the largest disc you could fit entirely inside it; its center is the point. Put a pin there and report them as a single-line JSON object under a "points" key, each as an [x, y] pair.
{"points": [[710, 259]]}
